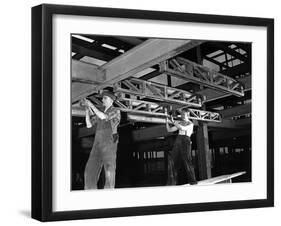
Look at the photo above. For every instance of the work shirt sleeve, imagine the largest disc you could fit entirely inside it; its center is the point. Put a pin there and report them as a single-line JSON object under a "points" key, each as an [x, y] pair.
{"points": [[114, 117]]}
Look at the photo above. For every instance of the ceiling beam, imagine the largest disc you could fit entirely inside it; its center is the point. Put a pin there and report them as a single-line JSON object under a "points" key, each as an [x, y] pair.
{"points": [[196, 73], [230, 51], [151, 75], [131, 40], [237, 70], [110, 40], [236, 111], [232, 71], [91, 53], [212, 94], [95, 46], [87, 72], [145, 55], [77, 56], [216, 62]]}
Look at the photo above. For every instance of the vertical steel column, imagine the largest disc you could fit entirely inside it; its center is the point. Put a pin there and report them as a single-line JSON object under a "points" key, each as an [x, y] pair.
{"points": [[204, 157]]}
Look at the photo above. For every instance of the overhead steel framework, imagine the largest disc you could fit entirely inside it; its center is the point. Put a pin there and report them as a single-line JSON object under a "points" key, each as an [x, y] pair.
{"points": [[132, 92], [193, 72], [195, 114], [151, 99], [143, 110], [140, 89]]}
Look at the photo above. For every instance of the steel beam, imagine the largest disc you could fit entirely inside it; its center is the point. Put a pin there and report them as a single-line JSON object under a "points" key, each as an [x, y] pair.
{"points": [[212, 94], [196, 73], [230, 51], [203, 151], [144, 55], [138, 89], [236, 111], [85, 71], [160, 130], [144, 111]]}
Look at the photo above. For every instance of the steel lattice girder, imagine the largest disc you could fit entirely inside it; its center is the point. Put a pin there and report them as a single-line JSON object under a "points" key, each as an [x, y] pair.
{"points": [[190, 71], [139, 89], [146, 108], [161, 110]]}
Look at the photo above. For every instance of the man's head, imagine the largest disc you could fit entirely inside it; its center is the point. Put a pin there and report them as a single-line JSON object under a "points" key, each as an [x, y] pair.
{"points": [[184, 115], [107, 98]]}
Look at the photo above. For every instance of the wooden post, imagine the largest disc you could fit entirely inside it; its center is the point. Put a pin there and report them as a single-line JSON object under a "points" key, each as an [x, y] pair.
{"points": [[204, 161]]}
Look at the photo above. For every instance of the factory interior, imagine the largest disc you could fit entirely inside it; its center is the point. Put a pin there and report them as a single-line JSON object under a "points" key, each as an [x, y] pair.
{"points": [[153, 77]]}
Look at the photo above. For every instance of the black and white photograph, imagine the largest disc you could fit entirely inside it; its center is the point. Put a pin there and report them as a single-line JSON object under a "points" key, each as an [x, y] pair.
{"points": [[153, 111], [139, 112]]}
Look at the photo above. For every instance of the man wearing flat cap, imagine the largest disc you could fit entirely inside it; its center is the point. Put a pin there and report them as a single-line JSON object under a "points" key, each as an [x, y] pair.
{"points": [[103, 153]]}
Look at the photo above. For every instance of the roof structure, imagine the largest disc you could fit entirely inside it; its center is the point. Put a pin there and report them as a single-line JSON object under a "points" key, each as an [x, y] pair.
{"points": [[217, 72]]}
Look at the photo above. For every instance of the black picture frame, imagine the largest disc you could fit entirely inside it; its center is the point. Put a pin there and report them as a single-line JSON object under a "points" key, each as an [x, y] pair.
{"points": [[42, 107]]}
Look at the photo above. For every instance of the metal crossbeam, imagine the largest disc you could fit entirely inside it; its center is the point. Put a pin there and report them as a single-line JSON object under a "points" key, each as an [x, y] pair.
{"points": [[139, 89], [149, 109], [190, 71], [141, 107], [204, 115], [147, 98], [161, 110]]}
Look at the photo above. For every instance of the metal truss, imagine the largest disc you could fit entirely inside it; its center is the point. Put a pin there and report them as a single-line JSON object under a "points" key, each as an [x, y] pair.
{"points": [[147, 98], [139, 89], [190, 71], [161, 110], [204, 115]]}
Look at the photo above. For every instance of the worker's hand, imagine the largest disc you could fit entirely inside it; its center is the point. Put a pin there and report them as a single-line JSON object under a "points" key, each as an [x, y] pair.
{"points": [[87, 102]]}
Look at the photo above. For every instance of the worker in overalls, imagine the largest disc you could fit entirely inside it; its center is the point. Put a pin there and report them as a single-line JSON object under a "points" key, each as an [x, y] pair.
{"points": [[180, 158], [103, 153]]}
